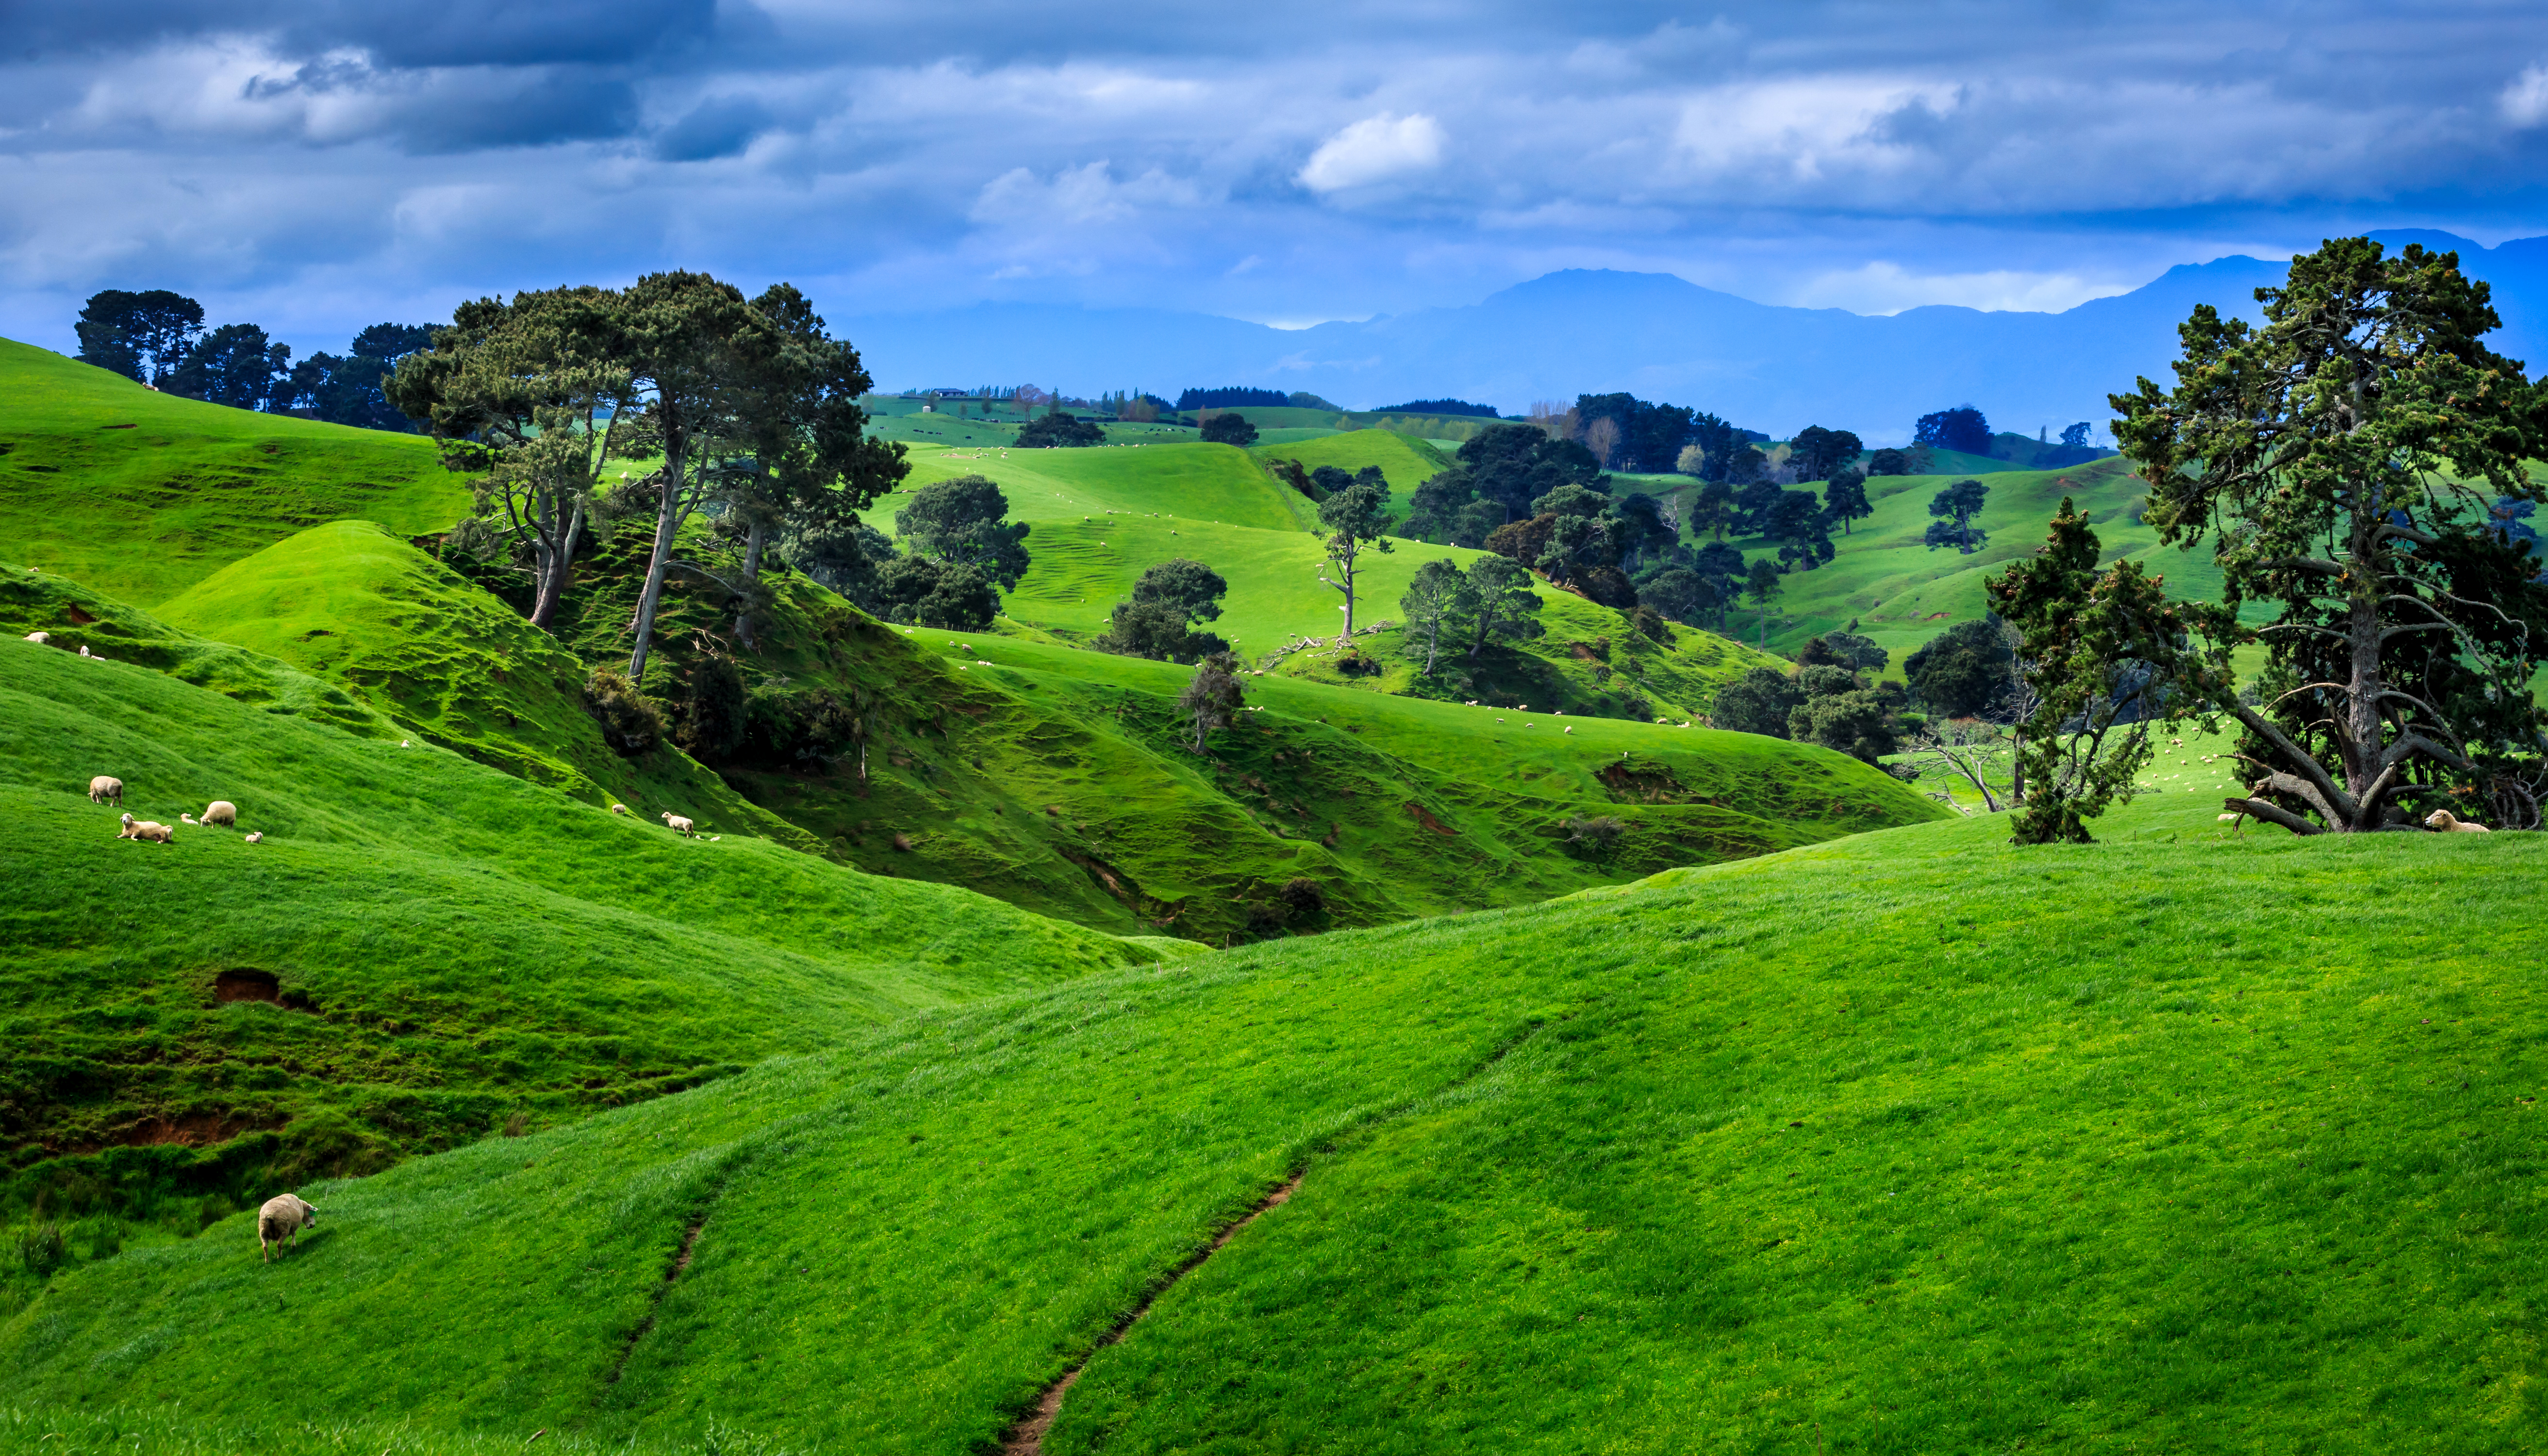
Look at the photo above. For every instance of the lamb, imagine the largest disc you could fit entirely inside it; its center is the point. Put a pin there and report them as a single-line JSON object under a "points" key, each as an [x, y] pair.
{"points": [[680, 824], [40, 638], [102, 787], [219, 811], [282, 1218], [256, 835], [144, 829], [2444, 822], [618, 808]]}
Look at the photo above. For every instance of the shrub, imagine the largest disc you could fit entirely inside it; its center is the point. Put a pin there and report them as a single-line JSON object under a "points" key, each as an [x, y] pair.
{"points": [[1060, 430], [42, 1249], [631, 722], [1303, 899], [1597, 833], [710, 713], [1229, 429]]}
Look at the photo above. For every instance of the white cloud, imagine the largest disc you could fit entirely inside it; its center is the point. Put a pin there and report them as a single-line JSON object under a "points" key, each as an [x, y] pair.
{"points": [[2524, 103], [1889, 288], [1801, 130], [1077, 196], [1373, 149]]}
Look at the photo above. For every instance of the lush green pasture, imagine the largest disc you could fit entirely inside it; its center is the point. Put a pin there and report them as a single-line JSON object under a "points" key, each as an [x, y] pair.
{"points": [[2181, 1140], [438, 943], [143, 494], [1403, 462]]}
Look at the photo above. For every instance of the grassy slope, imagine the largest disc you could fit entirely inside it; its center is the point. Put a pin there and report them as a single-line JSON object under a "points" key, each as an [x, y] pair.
{"points": [[1060, 780], [2054, 1146], [474, 942], [141, 494]]}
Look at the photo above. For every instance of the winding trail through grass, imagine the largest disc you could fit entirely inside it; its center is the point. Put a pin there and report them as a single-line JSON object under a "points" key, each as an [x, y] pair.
{"points": [[1026, 1438], [672, 1274]]}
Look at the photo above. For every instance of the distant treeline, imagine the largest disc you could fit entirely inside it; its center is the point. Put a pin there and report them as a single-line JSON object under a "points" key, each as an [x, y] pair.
{"points": [[1440, 406], [1242, 397], [158, 338]]}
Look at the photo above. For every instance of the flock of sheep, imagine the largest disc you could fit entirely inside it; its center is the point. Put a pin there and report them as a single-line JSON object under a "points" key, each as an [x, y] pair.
{"points": [[105, 789]]}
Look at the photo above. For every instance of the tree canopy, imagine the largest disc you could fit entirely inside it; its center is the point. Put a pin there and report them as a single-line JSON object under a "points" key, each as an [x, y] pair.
{"points": [[1060, 430], [141, 335], [1229, 428], [2344, 456], [1955, 508], [1962, 429], [965, 521]]}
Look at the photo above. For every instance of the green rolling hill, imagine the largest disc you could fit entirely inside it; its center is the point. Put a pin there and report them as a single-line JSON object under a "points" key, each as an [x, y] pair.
{"points": [[2003, 1146]]}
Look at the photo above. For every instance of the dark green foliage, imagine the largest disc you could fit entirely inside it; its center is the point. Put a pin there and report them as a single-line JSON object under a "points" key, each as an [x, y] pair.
{"points": [[1845, 497], [1844, 649], [1229, 428], [1212, 698], [1713, 510], [965, 521], [954, 594], [2344, 455], [2108, 656], [1061, 428], [141, 335], [1505, 608], [1818, 453], [1955, 508], [1760, 701], [1682, 595], [1596, 835], [1963, 672], [631, 722], [2075, 436], [1507, 467], [1303, 900], [1438, 600], [1761, 583], [1888, 462], [1156, 631], [233, 365], [1231, 396], [1846, 713], [1650, 435], [1962, 429], [1797, 523], [1351, 521], [352, 389], [707, 711]]}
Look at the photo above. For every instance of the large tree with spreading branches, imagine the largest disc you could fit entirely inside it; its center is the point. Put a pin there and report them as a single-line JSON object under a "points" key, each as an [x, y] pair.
{"points": [[2343, 456]]}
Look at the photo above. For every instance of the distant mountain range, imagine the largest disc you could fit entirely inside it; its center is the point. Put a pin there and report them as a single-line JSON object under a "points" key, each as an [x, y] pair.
{"points": [[1578, 331]]}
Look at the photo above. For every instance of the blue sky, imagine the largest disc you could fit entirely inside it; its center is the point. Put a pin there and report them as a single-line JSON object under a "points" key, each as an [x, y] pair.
{"points": [[317, 167]]}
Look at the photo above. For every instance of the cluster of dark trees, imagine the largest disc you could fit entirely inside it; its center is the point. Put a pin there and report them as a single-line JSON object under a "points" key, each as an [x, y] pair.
{"points": [[1158, 620], [1441, 406], [1231, 397], [1229, 429], [1961, 428], [1058, 428], [1834, 698], [747, 406], [959, 552], [158, 337]]}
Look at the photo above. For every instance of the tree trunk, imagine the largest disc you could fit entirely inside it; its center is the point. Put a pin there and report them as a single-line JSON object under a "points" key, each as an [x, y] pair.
{"points": [[668, 522], [752, 547], [556, 565], [2016, 768]]}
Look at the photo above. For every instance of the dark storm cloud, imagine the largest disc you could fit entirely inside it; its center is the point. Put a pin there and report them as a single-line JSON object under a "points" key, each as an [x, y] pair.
{"points": [[464, 32]]}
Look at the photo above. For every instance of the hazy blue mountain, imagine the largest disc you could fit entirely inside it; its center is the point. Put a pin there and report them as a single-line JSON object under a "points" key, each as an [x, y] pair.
{"points": [[1578, 332]]}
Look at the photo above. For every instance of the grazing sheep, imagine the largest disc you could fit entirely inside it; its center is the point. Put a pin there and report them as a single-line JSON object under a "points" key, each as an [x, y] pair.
{"points": [[101, 789], [40, 638], [219, 811], [680, 824], [145, 829], [281, 1221], [256, 835], [618, 808], [2442, 820]]}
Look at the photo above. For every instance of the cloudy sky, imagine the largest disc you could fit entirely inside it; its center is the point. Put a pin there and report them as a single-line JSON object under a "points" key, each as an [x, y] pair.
{"points": [[315, 165]]}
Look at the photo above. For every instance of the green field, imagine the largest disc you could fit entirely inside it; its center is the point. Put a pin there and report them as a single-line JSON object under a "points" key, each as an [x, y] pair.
{"points": [[2003, 1147]]}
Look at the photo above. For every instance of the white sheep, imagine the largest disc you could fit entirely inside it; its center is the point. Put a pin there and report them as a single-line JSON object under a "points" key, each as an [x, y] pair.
{"points": [[2444, 821], [281, 1221], [219, 811], [144, 829], [254, 835], [618, 808], [102, 787], [40, 638], [680, 824]]}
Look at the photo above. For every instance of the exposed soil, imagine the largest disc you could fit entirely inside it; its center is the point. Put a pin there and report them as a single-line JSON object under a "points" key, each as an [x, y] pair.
{"points": [[672, 1272], [1026, 1438], [248, 985], [1427, 820]]}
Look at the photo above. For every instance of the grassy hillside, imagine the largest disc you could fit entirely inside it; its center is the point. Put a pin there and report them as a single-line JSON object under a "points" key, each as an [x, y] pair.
{"points": [[142, 494], [2042, 1148], [1403, 462], [419, 947]]}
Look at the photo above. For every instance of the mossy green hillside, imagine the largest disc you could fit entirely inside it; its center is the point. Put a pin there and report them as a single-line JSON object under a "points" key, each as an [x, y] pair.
{"points": [[424, 945], [142, 494], [2134, 1144], [1403, 461], [1063, 779]]}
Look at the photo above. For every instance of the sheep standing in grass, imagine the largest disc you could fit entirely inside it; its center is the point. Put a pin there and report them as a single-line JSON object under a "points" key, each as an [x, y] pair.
{"points": [[219, 811], [144, 829], [282, 1218], [2444, 821], [101, 789], [680, 824]]}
